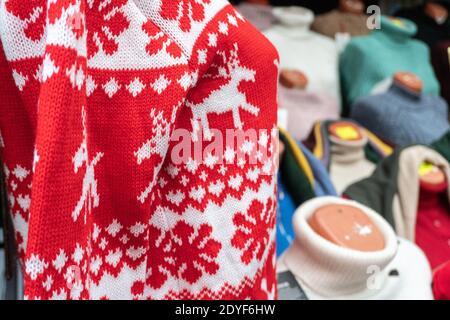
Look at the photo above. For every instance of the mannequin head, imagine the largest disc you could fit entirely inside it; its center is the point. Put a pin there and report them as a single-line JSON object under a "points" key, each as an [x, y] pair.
{"points": [[345, 131], [347, 226], [431, 174], [293, 79], [351, 6], [436, 11], [409, 81]]}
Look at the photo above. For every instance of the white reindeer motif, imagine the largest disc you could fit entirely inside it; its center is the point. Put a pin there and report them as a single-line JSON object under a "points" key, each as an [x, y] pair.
{"points": [[156, 145], [89, 197], [226, 98]]}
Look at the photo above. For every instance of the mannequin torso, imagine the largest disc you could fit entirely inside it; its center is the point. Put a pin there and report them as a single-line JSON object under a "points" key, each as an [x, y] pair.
{"points": [[348, 227], [301, 49], [433, 215], [326, 270], [348, 163]]}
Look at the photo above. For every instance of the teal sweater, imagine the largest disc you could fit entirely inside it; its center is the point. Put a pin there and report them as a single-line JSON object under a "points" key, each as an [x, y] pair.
{"points": [[368, 60]]}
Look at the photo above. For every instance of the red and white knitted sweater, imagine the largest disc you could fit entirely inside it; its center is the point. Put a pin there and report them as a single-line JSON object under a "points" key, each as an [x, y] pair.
{"points": [[96, 98]]}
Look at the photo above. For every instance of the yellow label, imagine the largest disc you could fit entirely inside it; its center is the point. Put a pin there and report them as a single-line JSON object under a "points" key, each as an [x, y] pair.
{"points": [[398, 23], [347, 133], [426, 168]]}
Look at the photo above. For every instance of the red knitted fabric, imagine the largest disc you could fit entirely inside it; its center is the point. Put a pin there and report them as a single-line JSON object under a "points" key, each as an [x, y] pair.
{"points": [[113, 125], [441, 282], [433, 223]]}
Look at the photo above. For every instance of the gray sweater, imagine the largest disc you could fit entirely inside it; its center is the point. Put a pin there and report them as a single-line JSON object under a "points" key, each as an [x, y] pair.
{"points": [[402, 117]]}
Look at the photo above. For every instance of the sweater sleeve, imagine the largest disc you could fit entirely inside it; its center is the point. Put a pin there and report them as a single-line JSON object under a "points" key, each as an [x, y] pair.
{"points": [[98, 101], [231, 110], [16, 145]]}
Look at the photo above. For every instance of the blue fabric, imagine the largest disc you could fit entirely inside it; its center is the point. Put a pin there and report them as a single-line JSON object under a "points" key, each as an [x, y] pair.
{"points": [[370, 59], [286, 206], [402, 117], [322, 182], [286, 210]]}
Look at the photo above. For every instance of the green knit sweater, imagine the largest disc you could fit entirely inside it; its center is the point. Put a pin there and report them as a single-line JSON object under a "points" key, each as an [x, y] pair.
{"points": [[368, 60], [293, 176], [378, 191]]}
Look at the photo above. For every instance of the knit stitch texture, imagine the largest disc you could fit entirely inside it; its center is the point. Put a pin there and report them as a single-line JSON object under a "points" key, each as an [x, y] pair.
{"points": [[304, 50], [368, 60], [336, 21], [93, 95], [305, 108], [402, 117]]}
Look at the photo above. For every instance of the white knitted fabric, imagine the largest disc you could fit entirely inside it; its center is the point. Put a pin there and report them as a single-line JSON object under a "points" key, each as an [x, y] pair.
{"points": [[304, 50], [138, 146], [328, 271], [348, 162], [327, 268]]}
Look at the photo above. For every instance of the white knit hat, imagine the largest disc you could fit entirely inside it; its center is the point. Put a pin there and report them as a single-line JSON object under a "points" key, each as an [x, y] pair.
{"points": [[328, 271]]}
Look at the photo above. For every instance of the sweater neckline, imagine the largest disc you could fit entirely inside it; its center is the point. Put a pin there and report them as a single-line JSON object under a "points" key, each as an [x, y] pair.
{"points": [[404, 92], [294, 22], [311, 258], [347, 152], [396, 33]]}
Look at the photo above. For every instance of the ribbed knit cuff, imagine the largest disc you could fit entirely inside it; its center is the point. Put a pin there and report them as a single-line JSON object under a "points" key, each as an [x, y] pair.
{"points": [[348, 151]]}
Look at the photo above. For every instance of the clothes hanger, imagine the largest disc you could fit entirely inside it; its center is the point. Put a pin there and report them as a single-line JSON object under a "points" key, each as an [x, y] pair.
{"points": [[409, 81], [351, 6], [347, 226], [436, 11], [293, 79]]}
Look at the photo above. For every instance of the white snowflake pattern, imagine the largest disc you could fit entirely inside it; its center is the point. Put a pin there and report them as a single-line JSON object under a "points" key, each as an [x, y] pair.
{"points": [[34, 266], [60, 260]]}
